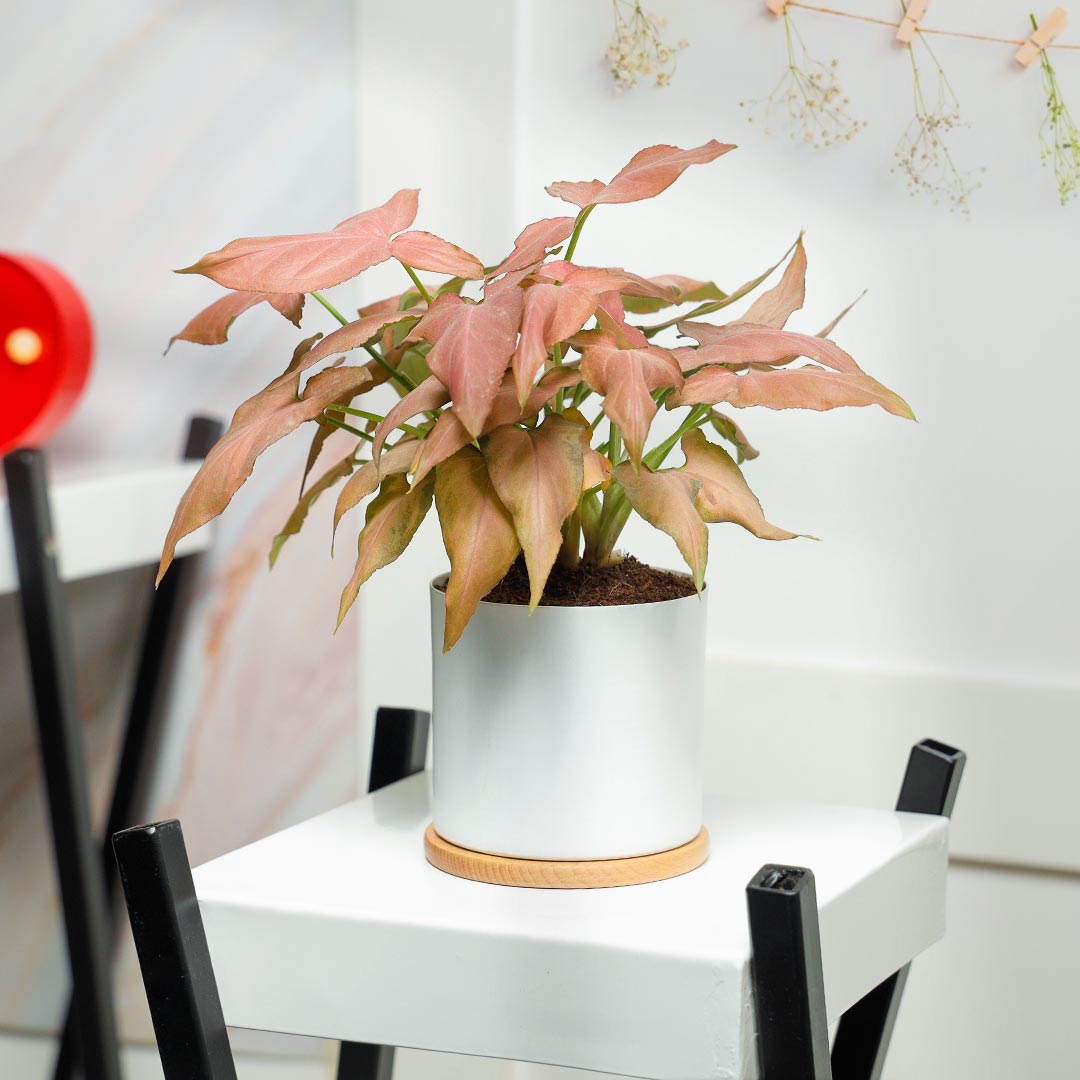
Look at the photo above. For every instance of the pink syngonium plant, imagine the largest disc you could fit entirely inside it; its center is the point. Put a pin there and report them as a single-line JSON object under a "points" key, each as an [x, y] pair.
{"points": [[496, 389]]}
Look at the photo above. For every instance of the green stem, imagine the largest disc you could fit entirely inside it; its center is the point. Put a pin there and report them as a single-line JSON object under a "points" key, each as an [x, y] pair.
{"points": [[349, 428], [416, 281], [330, 307], [582, 217]]}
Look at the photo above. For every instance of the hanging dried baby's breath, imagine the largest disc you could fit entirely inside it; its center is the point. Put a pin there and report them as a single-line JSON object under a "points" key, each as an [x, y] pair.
{"points": [[1059, 139], [637, 48], [923, 155], [808, 98]]}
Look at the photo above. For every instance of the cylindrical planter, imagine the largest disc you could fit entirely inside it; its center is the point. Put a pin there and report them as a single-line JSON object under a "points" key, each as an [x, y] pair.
{"points": [[571, 733]]}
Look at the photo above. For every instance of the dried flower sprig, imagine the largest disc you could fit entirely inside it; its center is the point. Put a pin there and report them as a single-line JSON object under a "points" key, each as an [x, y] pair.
{"points": [[1059, 139], [808, 97], [923, 155], [637, 48]]}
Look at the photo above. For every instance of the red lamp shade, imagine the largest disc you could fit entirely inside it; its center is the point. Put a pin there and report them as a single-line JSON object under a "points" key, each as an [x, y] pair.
{"points": [[45, 347]]}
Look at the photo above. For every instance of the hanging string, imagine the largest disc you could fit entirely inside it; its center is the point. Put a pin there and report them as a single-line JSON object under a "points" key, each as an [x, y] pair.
{"points": [[1017, 42]]}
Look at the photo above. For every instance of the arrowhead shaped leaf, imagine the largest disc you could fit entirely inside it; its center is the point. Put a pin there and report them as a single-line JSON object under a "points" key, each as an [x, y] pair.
{"points": [[392, 519], [446, 438], [774, 308], [211, 325], [478, 533], [551, 314], [303, 263], [665, 500], [672, 289], [533, 242], [626, 378], [366, 479], [741, 343], [725, 494], [353, 335], [648, 173], [807, 387], [425, 251], [307, 499], [471, 347], [538, 475], [430, 394], [258, 423]]}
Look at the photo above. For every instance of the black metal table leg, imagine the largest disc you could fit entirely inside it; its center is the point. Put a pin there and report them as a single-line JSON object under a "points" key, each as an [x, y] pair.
{"points": [[399, 750], [143, 720], [788, 983], [173, 955], [60, 736], [930, 784]]}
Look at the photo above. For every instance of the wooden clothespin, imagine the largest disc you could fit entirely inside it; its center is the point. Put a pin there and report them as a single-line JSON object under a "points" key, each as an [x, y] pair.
{"points": [[1038, 39], [777, 7], [914, 14]]}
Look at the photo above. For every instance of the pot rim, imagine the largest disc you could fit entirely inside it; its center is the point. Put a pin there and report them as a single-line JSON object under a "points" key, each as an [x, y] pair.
{"points": [[443, 578]]}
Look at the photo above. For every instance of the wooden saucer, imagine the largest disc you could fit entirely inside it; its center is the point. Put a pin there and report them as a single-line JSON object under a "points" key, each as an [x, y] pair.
{"points": [[540, 874]]}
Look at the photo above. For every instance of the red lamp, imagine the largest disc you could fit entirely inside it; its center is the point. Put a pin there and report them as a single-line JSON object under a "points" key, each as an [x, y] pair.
{"points": [[45, 348]]}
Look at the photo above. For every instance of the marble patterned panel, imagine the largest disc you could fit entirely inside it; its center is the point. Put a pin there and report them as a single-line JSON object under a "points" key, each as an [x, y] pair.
{"points": [[134, 136]]}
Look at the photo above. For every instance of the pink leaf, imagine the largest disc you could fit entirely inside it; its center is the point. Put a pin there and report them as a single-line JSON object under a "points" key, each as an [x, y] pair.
{"points": [[353, 335], [666, 501], [429, 395], [478, 533], [366, 479], [626, 378], [774, 308], [307, 499], [807, 387], [725, 494], [211, 325], [472, 344], [445, 439], [648, 173], [258, 423], [669, 289], [303, 263], [538, 475], [393, 517], [425, 251], [533, 242], [611, 317], [743, 343], [551, 314]]}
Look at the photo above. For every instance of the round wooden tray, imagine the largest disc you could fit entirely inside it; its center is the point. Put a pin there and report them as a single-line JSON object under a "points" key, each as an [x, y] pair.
{"points": [[539, 874]]}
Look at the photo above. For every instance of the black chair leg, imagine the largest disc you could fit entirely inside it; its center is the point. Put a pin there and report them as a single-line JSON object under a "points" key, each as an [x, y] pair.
{"points": [[365, 1061], [398, 750], [930, 784], [63, 759], [143, 716], [173, 955], [788, 983]]}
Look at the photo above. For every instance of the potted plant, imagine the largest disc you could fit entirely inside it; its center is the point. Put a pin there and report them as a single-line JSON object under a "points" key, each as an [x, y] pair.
{"points": [[567, 676]]}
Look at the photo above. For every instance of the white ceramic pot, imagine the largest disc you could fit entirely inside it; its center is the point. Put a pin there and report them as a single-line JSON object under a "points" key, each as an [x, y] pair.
{"points": [[570, 733]]}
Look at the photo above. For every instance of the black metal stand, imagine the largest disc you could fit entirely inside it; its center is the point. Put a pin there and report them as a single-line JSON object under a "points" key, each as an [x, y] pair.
{"points": [[177, 971], [143, 722], [87, 877], [63, 760], [789, 988]]}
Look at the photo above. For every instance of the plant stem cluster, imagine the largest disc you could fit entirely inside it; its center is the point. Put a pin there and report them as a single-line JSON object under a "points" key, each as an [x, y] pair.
{"points": [[1059, 139], [637, 48], [808, 98], [923, 155]]}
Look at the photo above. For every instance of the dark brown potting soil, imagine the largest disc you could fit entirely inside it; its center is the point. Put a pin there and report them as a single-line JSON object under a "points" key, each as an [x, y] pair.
{"points": [[628, 582]]}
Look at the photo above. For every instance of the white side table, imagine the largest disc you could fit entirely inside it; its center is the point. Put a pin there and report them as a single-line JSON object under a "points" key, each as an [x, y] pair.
{"points": [[339, 928]]}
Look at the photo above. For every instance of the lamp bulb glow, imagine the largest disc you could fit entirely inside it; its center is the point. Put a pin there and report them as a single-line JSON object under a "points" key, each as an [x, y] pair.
{"points": [[23, 345]]}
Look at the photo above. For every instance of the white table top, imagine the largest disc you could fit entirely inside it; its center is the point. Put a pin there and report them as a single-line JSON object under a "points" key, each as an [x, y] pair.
{"points": [[107, 518], [339, 928]]}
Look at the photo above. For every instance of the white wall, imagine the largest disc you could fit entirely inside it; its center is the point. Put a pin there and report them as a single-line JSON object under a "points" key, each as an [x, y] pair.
{"points": [[943, 599]]}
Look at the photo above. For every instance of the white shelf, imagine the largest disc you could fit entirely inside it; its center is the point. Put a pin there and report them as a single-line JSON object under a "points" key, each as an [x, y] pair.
{"points": [[338, 928], [107, 518]]}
